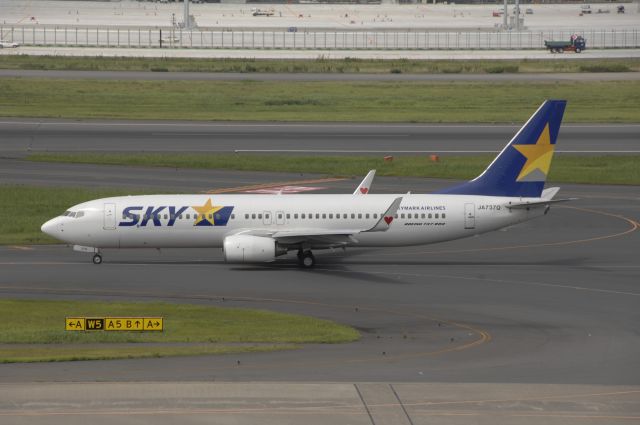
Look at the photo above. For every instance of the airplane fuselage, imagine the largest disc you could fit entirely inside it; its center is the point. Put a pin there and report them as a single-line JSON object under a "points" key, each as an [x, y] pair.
{"points": [[165, 221]]}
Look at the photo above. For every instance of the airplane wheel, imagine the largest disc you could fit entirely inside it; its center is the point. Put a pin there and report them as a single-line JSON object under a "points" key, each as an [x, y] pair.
{"points": [[578, 50], [308, 260], [97, 259]]}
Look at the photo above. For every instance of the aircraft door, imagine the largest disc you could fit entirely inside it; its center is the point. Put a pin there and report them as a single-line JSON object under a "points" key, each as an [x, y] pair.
{"points": [[279, 217], [109, 216], [266, 217], [469, 216]]}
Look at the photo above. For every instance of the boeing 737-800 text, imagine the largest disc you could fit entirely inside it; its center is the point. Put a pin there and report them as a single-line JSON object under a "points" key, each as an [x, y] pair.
{"points": [[259, 228]]}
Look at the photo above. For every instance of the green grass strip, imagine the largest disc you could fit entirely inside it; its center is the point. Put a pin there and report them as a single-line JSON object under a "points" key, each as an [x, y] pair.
{"points": [[188, 329], [319, 65], [461, 102]]}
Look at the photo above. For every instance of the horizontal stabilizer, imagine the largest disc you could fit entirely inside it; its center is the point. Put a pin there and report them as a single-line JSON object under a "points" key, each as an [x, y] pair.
{"points": [[534, 204], [550, 193]]}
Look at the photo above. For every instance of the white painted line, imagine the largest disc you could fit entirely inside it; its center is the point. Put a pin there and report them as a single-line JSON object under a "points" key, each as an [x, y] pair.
{"points": [[409, 151]]}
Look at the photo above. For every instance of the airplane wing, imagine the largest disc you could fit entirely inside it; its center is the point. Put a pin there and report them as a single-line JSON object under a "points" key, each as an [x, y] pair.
{"points": [[364, 187], [329, 237]]}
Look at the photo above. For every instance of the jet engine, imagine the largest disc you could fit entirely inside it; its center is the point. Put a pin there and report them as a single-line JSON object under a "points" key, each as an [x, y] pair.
{"points": [[251, 249]]}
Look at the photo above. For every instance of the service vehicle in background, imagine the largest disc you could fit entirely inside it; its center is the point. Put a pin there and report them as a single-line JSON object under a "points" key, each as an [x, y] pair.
{"points": [[577, 44], [8, 44]]}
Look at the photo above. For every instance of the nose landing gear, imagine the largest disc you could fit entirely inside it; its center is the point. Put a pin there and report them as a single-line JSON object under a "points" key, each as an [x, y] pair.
{"points": [[97, 259]]}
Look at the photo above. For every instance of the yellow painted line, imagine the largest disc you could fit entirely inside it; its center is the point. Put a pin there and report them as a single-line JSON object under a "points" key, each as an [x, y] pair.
{"points": [[270, 185], [20, 247]]}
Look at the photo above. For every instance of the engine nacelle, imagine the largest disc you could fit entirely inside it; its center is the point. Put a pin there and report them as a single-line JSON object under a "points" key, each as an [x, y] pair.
{"points": [[250, 249]]}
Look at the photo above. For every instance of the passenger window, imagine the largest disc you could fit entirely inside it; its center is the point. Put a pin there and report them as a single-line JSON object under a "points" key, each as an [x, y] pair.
{"points": [[266, 216], [422, 215], [180, 216], [324, 215], [246, 216], [366, 215], [217, 216], [437, 215], [429, 215], [233, 216], [295, 216], [302, 216], [288, 216], [253, 216], [330, 215], [375, 216], [401, 215], [443, 215], [260, 216], [317, 216], [359, 215], [280, 216]]}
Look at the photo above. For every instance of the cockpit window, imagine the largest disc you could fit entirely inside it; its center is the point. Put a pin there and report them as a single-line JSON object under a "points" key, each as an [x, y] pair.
{"points": [[73, 214]]}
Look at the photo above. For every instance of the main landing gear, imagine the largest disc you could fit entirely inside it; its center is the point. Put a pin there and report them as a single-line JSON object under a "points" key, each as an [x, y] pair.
{"points": [[306, 259], [97, 259]]}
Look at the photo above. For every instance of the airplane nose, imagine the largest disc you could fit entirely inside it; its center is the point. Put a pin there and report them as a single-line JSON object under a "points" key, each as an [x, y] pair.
{"points": [[49, 227]]}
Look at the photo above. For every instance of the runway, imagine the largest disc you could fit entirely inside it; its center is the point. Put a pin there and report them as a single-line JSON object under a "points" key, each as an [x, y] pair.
{"points": [[22, 136]]}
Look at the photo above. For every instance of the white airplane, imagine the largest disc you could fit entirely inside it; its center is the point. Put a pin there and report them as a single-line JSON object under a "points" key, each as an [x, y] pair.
{"points": [[259, 228]]}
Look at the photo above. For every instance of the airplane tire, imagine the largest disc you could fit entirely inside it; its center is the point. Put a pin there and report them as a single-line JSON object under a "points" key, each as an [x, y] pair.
{"points": [[578, 50], [308, 260], [97, 259]]}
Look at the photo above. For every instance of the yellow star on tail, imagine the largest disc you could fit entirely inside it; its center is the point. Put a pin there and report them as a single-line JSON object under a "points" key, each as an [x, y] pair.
{"points": [[206, 214], [538, 157]]}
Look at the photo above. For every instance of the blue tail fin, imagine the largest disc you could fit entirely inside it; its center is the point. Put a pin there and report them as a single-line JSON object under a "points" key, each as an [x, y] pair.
{"points": [[521, 168]]}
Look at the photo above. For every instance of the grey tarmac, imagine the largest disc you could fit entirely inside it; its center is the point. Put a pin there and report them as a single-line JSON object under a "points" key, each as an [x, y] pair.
{"points": [[23, 136], [316, 403]]}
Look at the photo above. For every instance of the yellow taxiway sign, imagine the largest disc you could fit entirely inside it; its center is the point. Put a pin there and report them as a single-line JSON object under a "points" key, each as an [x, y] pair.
{"points": [[114, 324]]}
